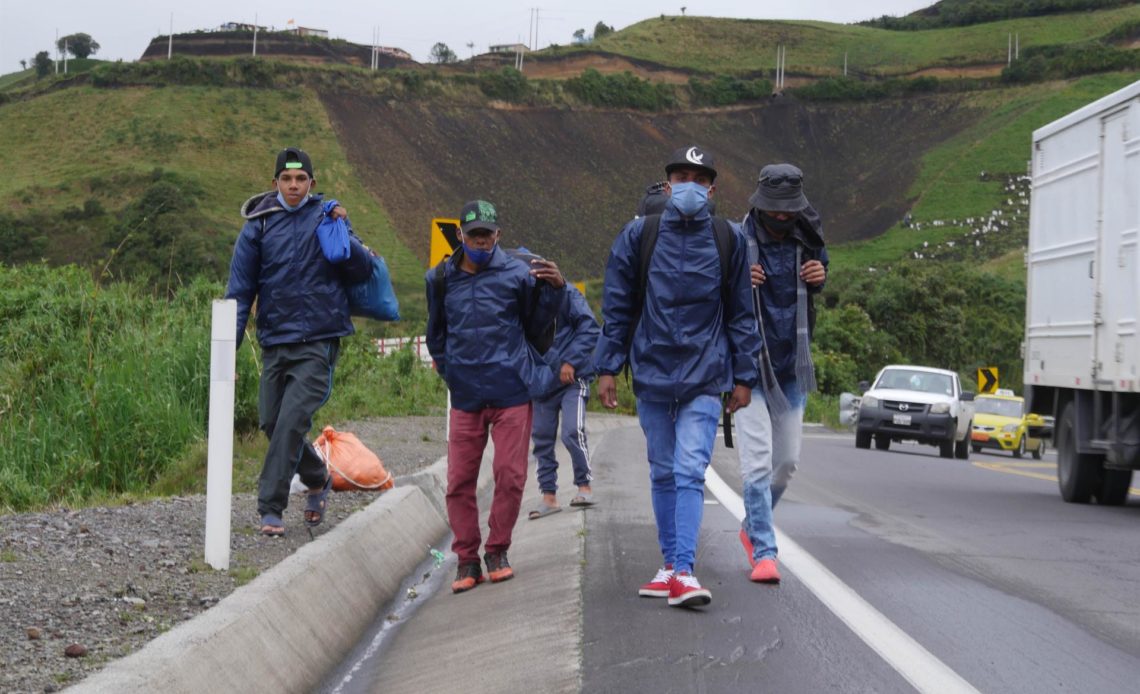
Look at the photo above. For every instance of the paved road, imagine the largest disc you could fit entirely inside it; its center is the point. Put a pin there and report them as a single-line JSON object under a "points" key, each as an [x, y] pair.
{"points": [[977, 565]]}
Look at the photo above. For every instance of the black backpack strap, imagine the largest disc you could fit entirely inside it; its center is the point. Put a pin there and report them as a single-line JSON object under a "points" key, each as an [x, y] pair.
{"points": [[725, 245]]}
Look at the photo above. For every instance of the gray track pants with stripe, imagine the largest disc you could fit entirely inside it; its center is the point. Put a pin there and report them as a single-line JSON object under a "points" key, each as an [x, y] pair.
{"points": [[571, 402]]}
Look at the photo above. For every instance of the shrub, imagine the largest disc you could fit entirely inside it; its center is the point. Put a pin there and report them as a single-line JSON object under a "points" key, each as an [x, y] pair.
{"points": [[508, 84], [622, 90]]}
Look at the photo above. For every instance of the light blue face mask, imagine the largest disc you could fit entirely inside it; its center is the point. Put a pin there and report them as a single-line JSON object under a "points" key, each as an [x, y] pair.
{"points": [[287, 206], [689, 198]]}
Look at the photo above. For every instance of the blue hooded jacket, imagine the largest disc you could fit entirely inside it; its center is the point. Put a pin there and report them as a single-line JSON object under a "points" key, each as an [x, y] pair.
{"points": [[686, 343], [575, 338], [300, 295], [476, 335], [778, 293]]}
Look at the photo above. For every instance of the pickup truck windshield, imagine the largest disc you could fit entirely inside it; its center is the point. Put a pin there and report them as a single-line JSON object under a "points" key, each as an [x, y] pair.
{"points": [[921, 381]]}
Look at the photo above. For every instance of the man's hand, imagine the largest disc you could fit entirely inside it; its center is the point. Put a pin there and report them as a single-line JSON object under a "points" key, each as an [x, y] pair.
{"points": [[547, 270], [567, 374], [813, 273], [741, 397], [758, 276], [607, 391], [339, 212]]}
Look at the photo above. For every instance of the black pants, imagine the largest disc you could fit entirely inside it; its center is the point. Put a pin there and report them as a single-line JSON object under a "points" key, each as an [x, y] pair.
{"points": [[296, 380]]}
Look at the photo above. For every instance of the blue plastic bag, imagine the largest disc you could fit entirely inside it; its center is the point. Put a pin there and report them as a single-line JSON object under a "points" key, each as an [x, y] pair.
{"points": [[374, 298], [333, 235]]}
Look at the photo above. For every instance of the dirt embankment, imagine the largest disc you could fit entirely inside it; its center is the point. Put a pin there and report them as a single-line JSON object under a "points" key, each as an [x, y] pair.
{"points": [[565, 181]]}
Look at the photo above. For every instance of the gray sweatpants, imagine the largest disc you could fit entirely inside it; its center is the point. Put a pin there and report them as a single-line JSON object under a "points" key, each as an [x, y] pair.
{"points": [[571, 402], [296, 379]]}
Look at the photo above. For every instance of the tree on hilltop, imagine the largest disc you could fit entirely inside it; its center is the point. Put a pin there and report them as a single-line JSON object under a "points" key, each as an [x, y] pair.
{"points": [[43, 64], [79, 45], [442, 54], [23, 64], [600, 30]]}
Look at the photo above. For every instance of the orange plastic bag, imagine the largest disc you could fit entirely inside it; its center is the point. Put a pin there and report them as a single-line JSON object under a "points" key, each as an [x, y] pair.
{"points": [[354, 468]]}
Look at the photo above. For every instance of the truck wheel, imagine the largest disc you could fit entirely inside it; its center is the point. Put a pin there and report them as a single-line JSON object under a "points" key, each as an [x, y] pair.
{"points": [[946, 448], [1076, 472], [882, 442], [1020, 450], [962, 448], [862, 438], [1039, 452], [1113, 489]]}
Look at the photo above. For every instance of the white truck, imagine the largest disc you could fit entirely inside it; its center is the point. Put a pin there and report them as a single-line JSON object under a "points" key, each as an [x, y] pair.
{"points": [[916, 403], [1082, 338]]}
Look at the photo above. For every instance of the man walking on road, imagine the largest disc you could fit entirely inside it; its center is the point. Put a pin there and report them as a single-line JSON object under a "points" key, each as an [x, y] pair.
{"points": [[678, 310], [482, 305], [302, 312], [788, 264], [572, 358]]}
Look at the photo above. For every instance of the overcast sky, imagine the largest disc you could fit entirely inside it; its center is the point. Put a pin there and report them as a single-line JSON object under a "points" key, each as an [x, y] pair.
{"points": [[124, 28]]}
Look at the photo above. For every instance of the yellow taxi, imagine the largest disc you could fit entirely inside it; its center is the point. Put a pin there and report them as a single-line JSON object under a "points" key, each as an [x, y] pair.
{"points": [[1001, 422]]}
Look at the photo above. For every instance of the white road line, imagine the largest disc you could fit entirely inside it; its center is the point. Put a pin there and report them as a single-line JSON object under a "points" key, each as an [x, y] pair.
{"points": [[917, 665]]}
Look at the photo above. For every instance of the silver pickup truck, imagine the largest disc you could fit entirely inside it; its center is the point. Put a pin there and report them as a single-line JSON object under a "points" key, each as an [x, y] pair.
{"points": [[916, 403]]}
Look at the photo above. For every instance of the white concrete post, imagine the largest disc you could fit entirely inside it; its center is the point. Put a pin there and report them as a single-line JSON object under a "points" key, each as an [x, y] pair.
{"points": [[220, 445]]}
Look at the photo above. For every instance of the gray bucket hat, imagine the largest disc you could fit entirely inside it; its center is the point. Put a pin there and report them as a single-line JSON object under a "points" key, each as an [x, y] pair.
{"points": [[780, 189]]}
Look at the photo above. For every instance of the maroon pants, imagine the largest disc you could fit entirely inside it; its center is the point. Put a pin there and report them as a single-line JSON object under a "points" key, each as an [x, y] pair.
{"points": [[510, 431]]}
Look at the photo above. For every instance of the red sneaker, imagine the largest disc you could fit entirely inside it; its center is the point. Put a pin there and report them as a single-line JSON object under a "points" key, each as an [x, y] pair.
{"points": [[685, 591], [765, 571], [747, 547], [659, 586]]}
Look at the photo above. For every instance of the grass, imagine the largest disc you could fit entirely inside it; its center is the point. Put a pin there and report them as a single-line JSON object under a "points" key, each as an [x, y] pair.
{"points": [[743, 46], [949, 186]]}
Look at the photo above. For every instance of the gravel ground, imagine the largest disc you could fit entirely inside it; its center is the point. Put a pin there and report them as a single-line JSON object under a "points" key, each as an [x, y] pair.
{"points": [[80, 588]]}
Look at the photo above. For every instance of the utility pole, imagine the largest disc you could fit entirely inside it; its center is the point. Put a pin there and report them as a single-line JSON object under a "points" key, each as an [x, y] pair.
{"points": [[1009, 51], [57, 51], [170, 38], [255, 34], [844, 63], [535, 46], [65, 56], [1016, 46], [530, 28]]}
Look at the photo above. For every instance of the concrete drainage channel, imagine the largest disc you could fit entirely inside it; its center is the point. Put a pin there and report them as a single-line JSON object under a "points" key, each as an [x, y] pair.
{"points": [[298, 621]]}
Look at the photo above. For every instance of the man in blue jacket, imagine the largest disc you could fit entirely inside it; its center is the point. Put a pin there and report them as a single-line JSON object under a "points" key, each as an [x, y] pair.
{"points": [[572, 358], [688, 335], [788, 264], [482, 306], [302, 312]]}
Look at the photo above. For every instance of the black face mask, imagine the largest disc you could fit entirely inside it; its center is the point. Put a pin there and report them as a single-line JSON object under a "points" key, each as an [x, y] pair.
{"points": [[780, 227]]}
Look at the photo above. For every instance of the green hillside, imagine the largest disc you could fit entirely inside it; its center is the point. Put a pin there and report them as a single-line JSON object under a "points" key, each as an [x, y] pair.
{"points": [[86, 148], [738, 46]]}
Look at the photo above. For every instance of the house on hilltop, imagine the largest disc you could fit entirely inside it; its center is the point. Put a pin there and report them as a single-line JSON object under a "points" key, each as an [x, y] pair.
{"points": [[509, 48]]}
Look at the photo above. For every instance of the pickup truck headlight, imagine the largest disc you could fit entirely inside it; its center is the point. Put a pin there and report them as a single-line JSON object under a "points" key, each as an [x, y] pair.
{"points": [[940, 408], [869, 401], [1010, 428]]}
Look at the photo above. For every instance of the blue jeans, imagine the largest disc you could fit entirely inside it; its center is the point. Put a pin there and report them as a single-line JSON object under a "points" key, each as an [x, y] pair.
{"points": [[769, 450], [679, 438]]}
